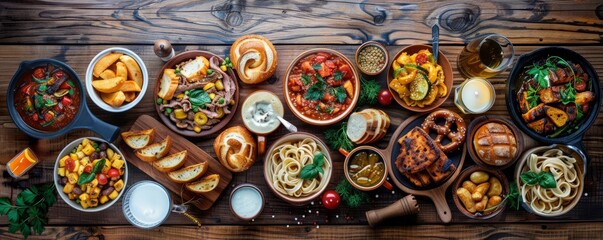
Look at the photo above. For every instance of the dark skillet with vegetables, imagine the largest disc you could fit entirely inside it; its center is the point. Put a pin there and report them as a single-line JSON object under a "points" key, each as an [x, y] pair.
{"points": [[45, 99], [553, 95]]}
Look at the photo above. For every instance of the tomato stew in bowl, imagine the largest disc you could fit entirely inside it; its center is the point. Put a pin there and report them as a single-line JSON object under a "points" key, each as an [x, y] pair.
{"points": [[321, 86]]}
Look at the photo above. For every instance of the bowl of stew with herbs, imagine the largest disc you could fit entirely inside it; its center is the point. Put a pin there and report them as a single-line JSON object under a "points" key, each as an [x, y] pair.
{"points": [[45, 100], [321, 86]]}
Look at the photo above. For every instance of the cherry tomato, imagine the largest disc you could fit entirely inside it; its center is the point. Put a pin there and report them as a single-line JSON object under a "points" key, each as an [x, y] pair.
{"points": [[65, 85], [28, 89], [38, 73], [88, 168], [102, 179], [421, 58], [66, 101], [113, 173], [48, 117], [35, 117], [384, 97], [331, 199], [59, 74], [70, 164]]}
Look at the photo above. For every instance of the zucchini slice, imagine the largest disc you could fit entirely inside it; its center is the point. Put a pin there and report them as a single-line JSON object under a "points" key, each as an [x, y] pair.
{"points": [[419, 87], [415, 66]]}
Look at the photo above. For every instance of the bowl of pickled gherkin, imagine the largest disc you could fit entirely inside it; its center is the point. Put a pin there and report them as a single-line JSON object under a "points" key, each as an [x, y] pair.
{"points": [[364, 168]]}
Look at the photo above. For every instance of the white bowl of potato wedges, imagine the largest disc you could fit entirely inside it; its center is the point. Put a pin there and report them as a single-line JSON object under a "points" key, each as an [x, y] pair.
{"points": [[90, 174], [116, 79]]}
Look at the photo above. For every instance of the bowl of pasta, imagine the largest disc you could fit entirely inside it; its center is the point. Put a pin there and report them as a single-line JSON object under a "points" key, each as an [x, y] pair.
{"points": [[298, 168], [550, 179], [417, 82]]}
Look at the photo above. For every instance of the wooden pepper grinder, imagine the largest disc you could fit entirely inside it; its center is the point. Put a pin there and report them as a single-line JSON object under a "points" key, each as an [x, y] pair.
{"points": [[404, 207], [163, 49]]}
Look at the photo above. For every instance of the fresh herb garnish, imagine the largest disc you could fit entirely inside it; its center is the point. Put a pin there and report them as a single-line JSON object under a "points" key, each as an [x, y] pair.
{"points": [[369, 89], [317, 66], [198, 98], [352, 197], [533, 97], [337, 75], [319, 78], [316, 91], [513, 199], [30, 209], [88, 177], [305, 79], [339, 93], [544, 179], [579, 112], [568, 95], [336, 137], [310, 171]]}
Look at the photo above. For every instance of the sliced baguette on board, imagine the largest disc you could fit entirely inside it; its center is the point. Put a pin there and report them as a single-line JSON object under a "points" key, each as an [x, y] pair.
{"points": [[139, 139], [188, 174], [206, 184], [155, 151], [383, 125], [170, 162]]}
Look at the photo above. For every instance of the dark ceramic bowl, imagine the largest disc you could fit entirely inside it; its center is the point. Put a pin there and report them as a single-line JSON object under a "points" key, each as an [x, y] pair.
{"points": [[514, 83], [465, 176], [183, 57], [84, 119]]}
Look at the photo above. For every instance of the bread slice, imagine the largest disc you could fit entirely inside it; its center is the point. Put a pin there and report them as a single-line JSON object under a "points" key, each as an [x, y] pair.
{"points": [[360, 126], [171, 162], [169, 83], [196, 69], [188, 174], [417, 151], [139, 139], [204, 185], [154, 151]]}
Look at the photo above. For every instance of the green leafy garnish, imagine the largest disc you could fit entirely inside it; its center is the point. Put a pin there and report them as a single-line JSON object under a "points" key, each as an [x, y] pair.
{"points": [[398, 71], [319, 78], [351, 196], [88, 177], [369, 89], [317, 66], [30, 210], [568, 95], [305, 79], [533, 97], [198, 98], [310, 171], [339, 93], [316, 91], [579, 111], [337, 75], [336, 137], [544, 179]]}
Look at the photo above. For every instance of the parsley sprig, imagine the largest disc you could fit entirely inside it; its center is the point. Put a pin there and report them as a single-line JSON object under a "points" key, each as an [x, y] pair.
{"points": [[30, 209], [350, 195], [336, 137]]}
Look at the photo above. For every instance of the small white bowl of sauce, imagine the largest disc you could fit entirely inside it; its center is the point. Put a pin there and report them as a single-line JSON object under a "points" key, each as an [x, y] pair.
{"points": [[246, 201]]}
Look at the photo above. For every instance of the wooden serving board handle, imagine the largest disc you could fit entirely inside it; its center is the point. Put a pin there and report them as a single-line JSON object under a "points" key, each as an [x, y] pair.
{"points": [[194, 155], [404, 207]]}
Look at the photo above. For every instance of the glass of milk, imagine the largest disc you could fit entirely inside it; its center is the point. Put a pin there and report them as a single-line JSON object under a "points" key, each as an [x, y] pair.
{"points": [[246, 201], [147, 204], [474, 96]]}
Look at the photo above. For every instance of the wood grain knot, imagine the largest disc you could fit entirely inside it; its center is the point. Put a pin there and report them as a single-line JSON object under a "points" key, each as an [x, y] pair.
{"points": [[599, 11], [378, 13], [539, 10], [229, 12], [459, 18]]}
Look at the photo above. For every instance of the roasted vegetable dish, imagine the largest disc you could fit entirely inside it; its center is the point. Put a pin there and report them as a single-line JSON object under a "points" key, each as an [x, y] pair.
{"points": [[555, 96], [92, 174], [47, 99]]}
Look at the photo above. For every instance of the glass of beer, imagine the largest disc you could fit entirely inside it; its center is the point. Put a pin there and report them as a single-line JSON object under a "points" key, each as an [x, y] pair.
{"points": [[486, 56]]}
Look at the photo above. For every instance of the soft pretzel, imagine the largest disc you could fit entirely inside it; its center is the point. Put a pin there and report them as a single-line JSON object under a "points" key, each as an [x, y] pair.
{"points": [[236, 149], [254, 58], [445, 131]]}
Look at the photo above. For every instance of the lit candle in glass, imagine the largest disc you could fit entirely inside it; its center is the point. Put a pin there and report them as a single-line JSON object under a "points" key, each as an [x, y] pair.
{"points": [[475, 95]]}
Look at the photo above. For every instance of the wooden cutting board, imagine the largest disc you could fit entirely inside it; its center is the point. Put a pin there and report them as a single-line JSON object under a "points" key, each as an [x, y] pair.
{"points": [[194, 155]]}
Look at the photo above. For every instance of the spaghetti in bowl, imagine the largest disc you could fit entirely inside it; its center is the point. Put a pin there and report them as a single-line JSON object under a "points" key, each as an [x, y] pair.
{"points": [[298, 167], [565, 165]]}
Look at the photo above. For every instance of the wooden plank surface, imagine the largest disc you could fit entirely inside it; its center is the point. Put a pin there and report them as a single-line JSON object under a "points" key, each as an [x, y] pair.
{"points": [[352, 232], [297, 22], [79, 56], [194, 155]]}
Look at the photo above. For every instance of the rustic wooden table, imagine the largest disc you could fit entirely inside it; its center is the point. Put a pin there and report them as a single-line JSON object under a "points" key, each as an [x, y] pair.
{"points": [[75, 31]]}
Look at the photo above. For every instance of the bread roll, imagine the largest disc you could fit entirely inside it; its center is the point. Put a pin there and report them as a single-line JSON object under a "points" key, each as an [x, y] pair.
{"points": [[254, 58], [236, 149], [495, 144]]}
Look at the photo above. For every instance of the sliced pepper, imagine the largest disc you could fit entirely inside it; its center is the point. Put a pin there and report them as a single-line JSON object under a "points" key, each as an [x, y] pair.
{"points": [[179, 114], [200, 118]]}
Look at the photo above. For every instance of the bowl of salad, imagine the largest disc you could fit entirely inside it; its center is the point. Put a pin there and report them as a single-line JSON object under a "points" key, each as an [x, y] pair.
{"points": [[90, 174]]}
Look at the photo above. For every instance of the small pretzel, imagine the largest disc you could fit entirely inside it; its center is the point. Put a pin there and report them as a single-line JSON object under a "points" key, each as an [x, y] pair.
{"points": [[445, 131]]}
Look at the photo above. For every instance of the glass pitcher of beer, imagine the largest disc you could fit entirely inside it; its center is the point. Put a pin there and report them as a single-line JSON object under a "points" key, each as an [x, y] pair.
{"points": [[486, 56]]}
